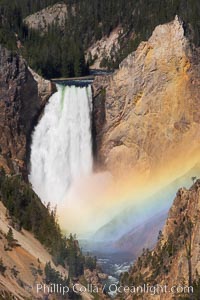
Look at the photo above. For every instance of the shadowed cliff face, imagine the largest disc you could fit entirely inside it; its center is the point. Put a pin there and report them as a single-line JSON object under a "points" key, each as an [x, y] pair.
{"points": [[151, 118], [21, 101], [175, 259]]}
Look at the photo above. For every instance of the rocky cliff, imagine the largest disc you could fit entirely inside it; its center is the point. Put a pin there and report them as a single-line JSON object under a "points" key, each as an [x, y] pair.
{"points": [[146, 114], [175, 261], [104, 49], [22, 99], [44, 18]]}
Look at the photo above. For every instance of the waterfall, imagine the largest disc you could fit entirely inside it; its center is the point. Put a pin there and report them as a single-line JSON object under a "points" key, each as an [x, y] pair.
{"points": [[61, 149]]}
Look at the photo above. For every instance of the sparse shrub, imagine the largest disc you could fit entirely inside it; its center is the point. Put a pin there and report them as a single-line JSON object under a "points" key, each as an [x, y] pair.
{"points": [[14, 271], [2, 267]]}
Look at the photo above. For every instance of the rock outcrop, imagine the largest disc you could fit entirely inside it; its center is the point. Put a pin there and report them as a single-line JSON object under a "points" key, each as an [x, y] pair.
{"points": [[94, 278], [105, 48], [175, 261], [146, 115], [46, 17], [22, 99]]}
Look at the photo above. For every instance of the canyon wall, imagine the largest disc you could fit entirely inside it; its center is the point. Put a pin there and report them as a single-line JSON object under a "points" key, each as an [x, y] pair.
{"points": [[175, 259], [146, 115], [22, 99]]}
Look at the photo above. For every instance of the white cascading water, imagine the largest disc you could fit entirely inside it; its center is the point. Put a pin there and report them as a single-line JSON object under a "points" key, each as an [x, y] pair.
{"points": [[61, 150]]}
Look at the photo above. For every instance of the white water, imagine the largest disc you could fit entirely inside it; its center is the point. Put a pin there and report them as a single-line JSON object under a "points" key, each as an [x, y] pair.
{"points": [[61, 150]]}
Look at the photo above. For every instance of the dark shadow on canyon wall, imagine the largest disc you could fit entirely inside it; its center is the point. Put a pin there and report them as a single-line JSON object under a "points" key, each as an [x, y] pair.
{"points": [[20, 107], [98, 121]]}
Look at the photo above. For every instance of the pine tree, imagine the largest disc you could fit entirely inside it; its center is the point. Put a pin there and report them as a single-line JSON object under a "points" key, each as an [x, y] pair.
{"points": [[10, 237]]}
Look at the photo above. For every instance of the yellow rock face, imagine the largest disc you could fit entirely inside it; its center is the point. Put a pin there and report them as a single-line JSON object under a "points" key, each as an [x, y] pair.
{"points": [[151, 124]]}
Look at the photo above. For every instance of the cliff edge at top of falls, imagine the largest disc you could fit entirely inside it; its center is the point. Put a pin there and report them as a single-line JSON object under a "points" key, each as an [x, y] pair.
{"points": [[22, 97], [146, 115]]}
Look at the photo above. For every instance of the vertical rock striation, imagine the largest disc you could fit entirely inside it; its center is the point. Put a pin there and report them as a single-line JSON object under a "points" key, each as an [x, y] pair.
{"points": [[147, 113], [21, 101]]}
